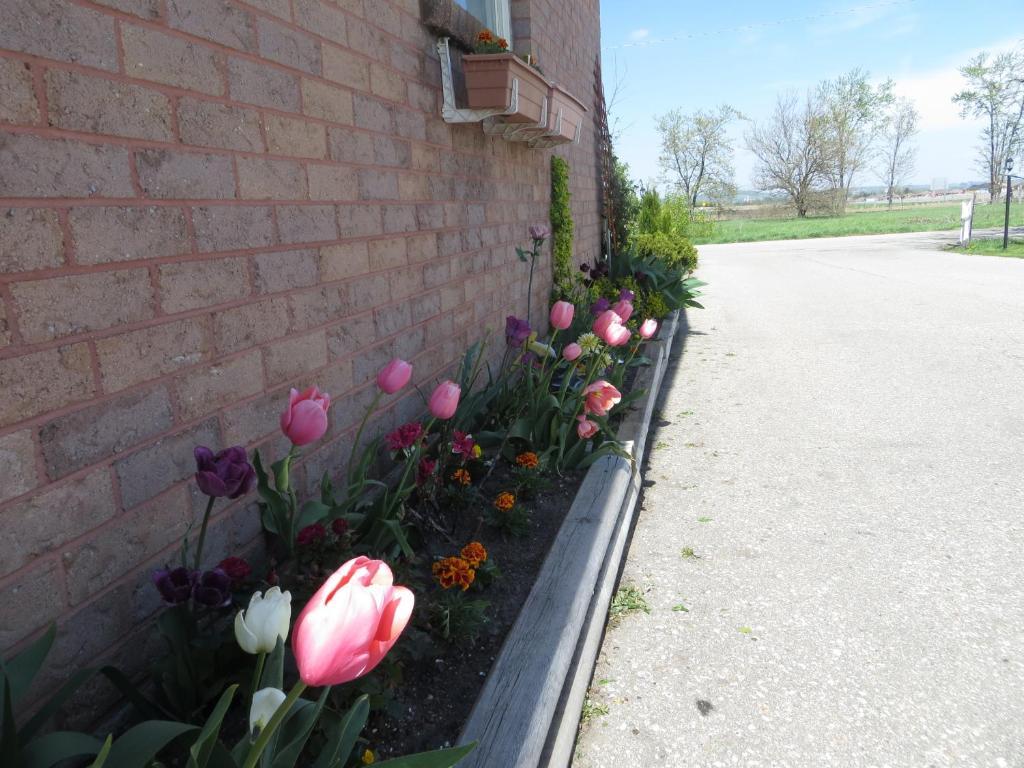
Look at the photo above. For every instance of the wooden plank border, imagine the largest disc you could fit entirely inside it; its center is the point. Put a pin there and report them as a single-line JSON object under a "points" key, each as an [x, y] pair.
{"points": [[528, 711]]}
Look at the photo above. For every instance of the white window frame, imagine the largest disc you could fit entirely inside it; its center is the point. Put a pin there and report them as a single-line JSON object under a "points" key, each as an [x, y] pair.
{"points": [[499, 17]]}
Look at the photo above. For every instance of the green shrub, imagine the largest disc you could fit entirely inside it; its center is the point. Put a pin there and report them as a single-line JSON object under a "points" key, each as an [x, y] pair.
{"points": [[561, 222], [676, 251]]}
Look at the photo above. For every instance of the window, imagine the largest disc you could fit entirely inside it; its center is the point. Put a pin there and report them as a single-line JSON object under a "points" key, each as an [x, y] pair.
{"points": [[495, 14]]}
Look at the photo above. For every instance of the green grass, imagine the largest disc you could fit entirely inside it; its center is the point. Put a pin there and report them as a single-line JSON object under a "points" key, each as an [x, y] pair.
{"points": [[627, 600], [592, 709], [994, 247], [921, 218]]}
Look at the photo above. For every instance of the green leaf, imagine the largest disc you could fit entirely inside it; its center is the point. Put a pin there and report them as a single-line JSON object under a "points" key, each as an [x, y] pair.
{"points": [[145, 707], [273, 670], [313, 511], [141, 744], [101, 758], [282, 473], [343, 735], [275, 511], [395, 526], [303, 723], [8, 727], [23, 668], [54, 748], [202, 748], [54, 703], [441, 758]]}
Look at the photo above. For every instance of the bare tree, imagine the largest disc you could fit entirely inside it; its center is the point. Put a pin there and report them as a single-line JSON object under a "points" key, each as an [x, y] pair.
{"points": [[854, 113], [995, 92], [792, 150], [696, 152], [898, 154]]}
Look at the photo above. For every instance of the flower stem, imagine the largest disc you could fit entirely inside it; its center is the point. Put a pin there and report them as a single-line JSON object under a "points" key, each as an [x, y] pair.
{"points": [[359, 434], [257, 675], [264, 738], [202, 531]]}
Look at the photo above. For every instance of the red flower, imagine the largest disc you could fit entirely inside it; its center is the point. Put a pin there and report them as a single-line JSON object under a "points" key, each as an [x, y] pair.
{"points": [[425, 471], [237, 569], [310, 535], [339, 526], [462, 444], [406, 436]]}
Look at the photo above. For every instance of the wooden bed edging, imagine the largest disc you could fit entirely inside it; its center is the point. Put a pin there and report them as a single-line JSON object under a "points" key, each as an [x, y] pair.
{"points": [[529, 709]]}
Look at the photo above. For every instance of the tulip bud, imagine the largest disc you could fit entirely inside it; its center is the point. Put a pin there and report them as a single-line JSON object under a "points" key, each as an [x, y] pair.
{"points": [[445, 400], [624, 309], [586, 428], [572, 351], [305, 419], [394, 376], [264, 704], [648, 328], [258, 627], [561, 315], [539, 231]]}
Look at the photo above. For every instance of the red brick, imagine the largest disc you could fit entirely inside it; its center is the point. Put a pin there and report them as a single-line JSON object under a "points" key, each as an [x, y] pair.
{"points": [[30, 603], [253, 420], [306, 223], [405, 282], [63, 306], [368, 292], [30, 238], [338, 262], [385, 254], [373, 114], [350, 146], [162, 58], [345, 339], [31, 166], [321, 18], [103, 235], [273, 272], [208, 389], [184, 175], [391, 152], [436, 274], [260, 179], [80, 102], [318, 306], [195, 284], [346, 68], [400, 218], [216, 20], [415, 187], [255, 83], [375, 184], [360, 220], [251, 324], [17, 466], [136, 537], [332, 182], [44, 381], [92, 434], [148, 472], [131, 358], [390, 320], [422, 97], [386, 83], [233, 227], [326, 101], [209, 124], [57, 29], [289, 47], [17, 97], [294, 357], [294, 137]]}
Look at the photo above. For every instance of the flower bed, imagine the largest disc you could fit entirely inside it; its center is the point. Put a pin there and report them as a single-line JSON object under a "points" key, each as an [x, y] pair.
{"points": [[462, 516]]}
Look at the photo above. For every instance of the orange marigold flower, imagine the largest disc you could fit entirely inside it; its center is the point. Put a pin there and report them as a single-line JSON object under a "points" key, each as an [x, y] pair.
{"points": [[505, 501], [454, 572], [462, 476], [474, 554], [527, 460], [503, 43], [485, 36]]}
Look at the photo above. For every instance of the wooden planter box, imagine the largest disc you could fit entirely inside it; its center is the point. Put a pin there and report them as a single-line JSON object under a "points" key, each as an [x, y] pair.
{"points": [[563, 104], [489, 79]]}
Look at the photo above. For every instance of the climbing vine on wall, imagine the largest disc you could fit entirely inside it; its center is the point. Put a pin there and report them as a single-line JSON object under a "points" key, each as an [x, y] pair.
{"points": [[561, 222]]}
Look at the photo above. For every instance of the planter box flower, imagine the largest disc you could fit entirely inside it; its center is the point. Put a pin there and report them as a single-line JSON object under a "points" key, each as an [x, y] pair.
{"points": [[565, 116], [489, 78]]}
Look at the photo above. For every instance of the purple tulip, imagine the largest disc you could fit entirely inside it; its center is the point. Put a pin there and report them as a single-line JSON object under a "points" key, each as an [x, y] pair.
{"points": [[516, 331], [227, 473], [213, 589], [175, 586], [539, 231], [626, 295], [600, 306]]}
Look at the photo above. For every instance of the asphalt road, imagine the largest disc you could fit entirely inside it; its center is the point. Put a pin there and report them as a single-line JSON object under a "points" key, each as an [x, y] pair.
{"points": [[842, 448]]}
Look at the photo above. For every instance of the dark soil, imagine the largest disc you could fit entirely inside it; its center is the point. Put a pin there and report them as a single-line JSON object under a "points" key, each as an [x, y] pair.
{"points": [[437, 694]]}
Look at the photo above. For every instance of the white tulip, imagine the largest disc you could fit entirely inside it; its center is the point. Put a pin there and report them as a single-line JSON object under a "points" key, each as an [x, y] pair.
{"points": [[264, 705], [258, 627]]}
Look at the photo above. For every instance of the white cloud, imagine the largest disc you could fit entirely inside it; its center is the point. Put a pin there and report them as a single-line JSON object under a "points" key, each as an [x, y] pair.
{"points": [[639, 34]]}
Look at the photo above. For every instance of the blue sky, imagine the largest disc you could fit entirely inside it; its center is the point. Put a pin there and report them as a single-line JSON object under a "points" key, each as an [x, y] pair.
{"points": [[668, 54]]}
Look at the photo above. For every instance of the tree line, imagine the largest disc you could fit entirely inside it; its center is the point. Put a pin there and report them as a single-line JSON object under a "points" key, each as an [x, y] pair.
{"points": [[813, 146]]}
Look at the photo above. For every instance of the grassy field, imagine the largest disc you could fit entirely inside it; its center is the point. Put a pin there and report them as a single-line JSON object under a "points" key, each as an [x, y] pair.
{"points": [[994, 247], [922, 218]]}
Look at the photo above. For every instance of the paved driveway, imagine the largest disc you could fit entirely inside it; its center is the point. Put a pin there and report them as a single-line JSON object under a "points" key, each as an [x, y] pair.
{"points": [[842, 449]]}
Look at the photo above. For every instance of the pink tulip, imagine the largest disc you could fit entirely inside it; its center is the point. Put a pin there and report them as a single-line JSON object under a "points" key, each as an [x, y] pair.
{"points": [[648, 328], [539, 231], [393, 376], [600, 397], [561, 315], [305, 419], [586, 428], [350, 624], [445, 400], [623, 309], [572, 351], [605, 319], [617, 335]]}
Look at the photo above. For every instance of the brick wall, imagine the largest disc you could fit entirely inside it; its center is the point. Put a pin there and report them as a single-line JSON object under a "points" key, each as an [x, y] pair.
{"points": [[202, 204]]}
